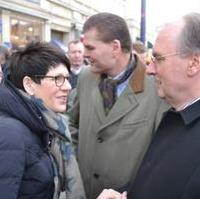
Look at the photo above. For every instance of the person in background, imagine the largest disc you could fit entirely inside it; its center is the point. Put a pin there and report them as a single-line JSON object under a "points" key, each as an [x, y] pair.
{"points": [[76, 58], [77, 64], [171, 166], [140, 49], [1, 74], [116, 109], [4, 56], [37, 159]]}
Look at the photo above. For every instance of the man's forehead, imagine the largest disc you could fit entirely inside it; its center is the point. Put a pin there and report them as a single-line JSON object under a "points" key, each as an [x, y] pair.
{"points": [[75, 46]]}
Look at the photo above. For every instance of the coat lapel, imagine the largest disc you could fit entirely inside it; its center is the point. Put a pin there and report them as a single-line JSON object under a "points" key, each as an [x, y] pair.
{"points": [[125, 103], [98, 104]]}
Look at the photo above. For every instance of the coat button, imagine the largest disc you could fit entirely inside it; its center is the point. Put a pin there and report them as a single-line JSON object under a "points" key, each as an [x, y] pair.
{"points": [[96, 175], [100, 139]]}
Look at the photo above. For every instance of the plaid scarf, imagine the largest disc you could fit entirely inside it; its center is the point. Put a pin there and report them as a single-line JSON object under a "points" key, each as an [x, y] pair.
{"points": [[108, 86]]}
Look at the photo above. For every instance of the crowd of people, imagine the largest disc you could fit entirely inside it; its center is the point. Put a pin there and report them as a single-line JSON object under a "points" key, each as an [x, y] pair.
{"points": [[103, 121]]}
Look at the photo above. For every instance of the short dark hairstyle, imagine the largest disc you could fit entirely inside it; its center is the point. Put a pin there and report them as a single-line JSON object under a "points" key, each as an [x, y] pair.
{"points": [[37, 58], [110, 27]]}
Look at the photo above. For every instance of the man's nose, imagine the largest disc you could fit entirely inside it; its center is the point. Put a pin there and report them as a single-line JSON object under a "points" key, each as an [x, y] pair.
{"points": [[150, 69]]}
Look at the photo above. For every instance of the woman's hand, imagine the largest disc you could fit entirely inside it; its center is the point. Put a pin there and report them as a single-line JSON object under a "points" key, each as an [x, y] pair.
{"points": [[112, 194]]}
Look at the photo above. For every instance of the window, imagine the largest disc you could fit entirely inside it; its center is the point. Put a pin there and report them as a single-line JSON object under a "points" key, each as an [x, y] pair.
{"points": [[24, 31]]}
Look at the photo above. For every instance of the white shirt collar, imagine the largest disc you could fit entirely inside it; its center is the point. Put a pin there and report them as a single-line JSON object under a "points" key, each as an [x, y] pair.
{"points": [[190, 103], [76, 71]]}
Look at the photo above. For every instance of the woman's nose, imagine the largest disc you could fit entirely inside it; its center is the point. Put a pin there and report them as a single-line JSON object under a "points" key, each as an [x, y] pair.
{"points": [[67, 85]]}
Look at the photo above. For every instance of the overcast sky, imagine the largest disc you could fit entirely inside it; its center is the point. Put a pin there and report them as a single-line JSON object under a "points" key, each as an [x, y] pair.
{"points": [[160, 11]]}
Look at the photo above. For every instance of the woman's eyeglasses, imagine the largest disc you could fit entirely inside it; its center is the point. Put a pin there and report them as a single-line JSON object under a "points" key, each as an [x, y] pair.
{"points": [[59, 79]]}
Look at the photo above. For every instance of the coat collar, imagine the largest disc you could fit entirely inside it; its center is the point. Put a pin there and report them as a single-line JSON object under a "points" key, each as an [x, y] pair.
{"points": [[127, 100], [137, 80], [189, 114]]}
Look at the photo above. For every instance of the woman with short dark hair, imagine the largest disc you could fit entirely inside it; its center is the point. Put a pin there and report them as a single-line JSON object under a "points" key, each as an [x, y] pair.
{"points": [[36, 155]]}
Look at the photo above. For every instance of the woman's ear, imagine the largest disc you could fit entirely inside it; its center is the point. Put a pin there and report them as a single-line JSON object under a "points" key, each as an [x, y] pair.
{"points": [[28, 84]]}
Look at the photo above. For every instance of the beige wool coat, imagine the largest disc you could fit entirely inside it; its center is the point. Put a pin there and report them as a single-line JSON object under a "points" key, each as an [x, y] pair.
{"points": [[111, 148]]}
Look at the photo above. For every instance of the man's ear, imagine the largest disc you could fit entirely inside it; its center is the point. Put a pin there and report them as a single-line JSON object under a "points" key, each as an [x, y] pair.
{"points": [[193, 65], [28, 85], [116, 46]]}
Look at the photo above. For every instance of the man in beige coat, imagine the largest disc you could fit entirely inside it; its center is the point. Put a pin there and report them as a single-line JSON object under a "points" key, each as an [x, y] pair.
{"points": [[113, 133]]}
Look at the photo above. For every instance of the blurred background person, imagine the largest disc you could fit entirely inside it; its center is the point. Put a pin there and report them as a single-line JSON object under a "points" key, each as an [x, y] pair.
{"points": [[77, 63], [76, 58], [4, 56], [37, 159], [1, 74], [140, 49], [148, 56]]}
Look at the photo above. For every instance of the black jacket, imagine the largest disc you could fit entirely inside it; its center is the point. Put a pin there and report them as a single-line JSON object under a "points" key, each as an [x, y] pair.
{"points": [[26, 170], [171, 166]]}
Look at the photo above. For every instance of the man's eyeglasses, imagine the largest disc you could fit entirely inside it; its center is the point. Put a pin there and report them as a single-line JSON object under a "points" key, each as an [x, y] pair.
{"points": [[59, 79], [159, 58]]}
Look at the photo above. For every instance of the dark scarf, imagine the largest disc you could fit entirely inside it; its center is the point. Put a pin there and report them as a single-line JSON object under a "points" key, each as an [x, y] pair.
{"points": [[108, 87]]}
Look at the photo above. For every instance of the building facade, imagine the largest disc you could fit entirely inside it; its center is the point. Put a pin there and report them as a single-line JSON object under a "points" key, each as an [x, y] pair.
{"points": [[22, 21]]}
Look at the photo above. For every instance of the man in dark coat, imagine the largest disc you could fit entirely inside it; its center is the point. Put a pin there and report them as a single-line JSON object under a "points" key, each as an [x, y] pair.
{"points": [[171, 166]]}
